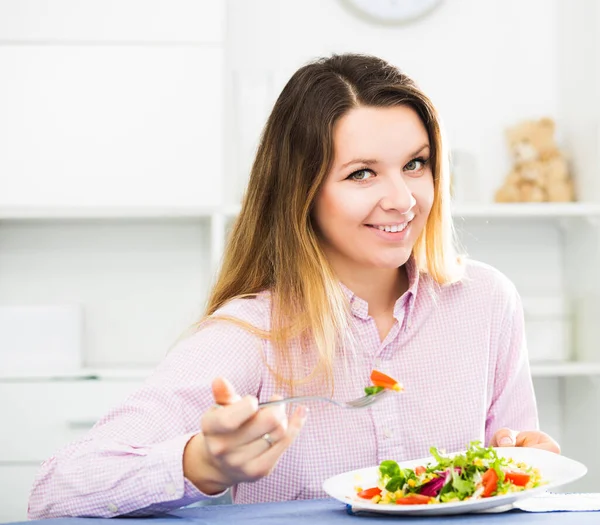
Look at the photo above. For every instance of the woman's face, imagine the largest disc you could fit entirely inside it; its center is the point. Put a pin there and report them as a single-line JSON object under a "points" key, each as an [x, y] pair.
{"points": [[377, 196]]}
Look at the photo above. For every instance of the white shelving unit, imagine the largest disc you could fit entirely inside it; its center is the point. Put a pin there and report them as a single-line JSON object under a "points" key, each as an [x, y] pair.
{"points": [[565, 369], [219, 216], [216, 218]]}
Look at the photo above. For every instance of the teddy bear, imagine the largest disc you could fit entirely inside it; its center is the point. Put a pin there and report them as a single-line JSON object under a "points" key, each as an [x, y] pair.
{"points": [[540, 172]]}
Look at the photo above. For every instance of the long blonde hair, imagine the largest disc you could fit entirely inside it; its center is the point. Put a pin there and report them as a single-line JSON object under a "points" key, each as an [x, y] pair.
{"points": [[274, 245]]}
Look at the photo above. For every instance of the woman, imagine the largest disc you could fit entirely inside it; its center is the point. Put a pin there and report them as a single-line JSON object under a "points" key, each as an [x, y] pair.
{"points": [[341, 261]]}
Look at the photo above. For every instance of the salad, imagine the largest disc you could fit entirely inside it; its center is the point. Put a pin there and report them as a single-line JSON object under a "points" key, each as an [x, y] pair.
{"points": [[380, 381], [478, 473]]}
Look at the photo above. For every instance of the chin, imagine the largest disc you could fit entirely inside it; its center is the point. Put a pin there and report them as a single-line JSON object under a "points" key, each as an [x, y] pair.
{"points": [[388, 264]]}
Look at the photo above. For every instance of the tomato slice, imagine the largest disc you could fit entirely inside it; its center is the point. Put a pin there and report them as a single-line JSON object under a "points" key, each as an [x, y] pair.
{"points": [[413, 499], [518, 478], [420, 470], [369, 493], [380, 379], [490, 482]]}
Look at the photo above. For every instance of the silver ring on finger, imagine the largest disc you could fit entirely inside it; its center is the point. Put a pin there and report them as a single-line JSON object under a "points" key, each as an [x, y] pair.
{"points": [[267, 437]]}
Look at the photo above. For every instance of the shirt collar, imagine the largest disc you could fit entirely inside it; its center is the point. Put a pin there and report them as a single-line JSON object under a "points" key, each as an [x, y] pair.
{"points": [[360, 308]]}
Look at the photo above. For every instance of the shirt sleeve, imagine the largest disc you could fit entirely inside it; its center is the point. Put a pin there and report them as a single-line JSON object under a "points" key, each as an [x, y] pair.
{"points": [[513, 403], [131, 462]]}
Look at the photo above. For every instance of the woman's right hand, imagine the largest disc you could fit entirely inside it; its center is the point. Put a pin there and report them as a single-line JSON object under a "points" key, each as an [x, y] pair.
{"points": [[232, 447]]}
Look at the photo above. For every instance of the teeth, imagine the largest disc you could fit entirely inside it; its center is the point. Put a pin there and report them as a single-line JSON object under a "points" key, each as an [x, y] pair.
{"points": [[394, 228]]}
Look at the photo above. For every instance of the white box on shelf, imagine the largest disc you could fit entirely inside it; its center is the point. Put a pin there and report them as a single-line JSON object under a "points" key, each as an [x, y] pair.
{"points": [[548, 328], [586, 314], [40, 339]]}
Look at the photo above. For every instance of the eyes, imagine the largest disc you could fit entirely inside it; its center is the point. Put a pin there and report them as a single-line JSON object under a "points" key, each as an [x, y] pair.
{"points": [[414, 168]]}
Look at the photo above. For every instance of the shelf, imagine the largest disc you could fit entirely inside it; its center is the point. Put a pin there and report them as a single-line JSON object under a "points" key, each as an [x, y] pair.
{"points": [[84, 374], [104, 212], [565, 369], [527, 210], [557, 369], [483, 211], [508, 211]]}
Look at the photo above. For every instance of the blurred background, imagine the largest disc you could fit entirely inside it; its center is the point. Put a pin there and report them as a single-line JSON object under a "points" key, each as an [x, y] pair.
{"points": [[127, 128]]}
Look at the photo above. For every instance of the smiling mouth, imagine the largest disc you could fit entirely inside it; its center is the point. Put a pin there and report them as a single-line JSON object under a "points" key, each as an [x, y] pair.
{"points": [[393, 227]]}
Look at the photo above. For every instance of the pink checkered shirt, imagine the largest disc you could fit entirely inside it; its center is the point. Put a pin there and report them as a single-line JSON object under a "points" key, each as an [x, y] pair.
{"points": [[459, 351]]}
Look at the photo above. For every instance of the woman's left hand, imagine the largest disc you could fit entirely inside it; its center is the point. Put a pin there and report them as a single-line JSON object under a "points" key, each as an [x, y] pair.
{"points": [[505, 437]]}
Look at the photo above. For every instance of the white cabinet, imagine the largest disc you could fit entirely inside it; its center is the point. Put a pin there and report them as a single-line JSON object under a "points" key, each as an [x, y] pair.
{"points": [[110, 21], [41, 416], [114, 125], [106, 105], [551, 253], [15, 484]]}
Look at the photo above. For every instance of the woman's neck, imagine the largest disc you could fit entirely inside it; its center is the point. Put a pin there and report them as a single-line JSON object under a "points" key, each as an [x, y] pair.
{"points": [[379, 288]]}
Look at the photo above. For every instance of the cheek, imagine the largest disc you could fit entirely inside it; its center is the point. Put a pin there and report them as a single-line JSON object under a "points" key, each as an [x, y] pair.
{"points": [[326, 211], [423, 191], [336, 210]]}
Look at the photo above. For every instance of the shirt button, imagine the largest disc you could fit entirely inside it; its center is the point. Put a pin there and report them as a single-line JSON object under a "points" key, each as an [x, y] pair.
{"points": [[170, 489], [112, 507], [387, 433]]}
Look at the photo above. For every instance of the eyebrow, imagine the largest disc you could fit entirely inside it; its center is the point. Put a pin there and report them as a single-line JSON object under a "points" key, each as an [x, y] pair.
{"points": [[370, 162]]}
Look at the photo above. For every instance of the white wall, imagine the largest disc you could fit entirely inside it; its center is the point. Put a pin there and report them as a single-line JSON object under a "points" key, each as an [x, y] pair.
{"points": [[111, 103], [486, 65]]}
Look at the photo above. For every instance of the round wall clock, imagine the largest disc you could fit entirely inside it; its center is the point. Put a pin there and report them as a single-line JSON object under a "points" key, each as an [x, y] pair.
{"points": [[392, 12]]}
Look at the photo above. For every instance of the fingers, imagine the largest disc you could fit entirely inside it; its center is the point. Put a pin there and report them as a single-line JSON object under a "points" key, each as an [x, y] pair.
{"points": [[550, 446], [537, 439], [272, 421], [233, 435], [234, 411], [239, 456], [247, 439], [223, 392], [505, 437], [263, 464]]}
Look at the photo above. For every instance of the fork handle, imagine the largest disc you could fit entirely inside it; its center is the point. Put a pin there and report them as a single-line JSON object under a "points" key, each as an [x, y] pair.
{"points": [[286, 400]]}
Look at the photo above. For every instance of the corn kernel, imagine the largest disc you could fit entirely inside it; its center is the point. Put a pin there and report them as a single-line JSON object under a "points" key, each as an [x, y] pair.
{"points": [[411, 482], [375, 499], [478, 462]]}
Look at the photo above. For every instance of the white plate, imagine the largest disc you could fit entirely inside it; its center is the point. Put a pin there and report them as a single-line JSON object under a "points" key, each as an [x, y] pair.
{"points": [[555, 469]]}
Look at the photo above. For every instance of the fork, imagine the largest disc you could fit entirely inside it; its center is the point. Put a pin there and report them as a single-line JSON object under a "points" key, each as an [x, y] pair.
{"points": [[360, 402]]}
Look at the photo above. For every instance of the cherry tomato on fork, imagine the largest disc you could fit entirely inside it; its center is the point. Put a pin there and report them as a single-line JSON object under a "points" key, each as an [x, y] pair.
{"points": [[380, 379]]}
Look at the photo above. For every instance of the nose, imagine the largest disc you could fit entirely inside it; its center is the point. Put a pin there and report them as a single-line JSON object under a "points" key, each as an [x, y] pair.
{"points": [[397, 196]]}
